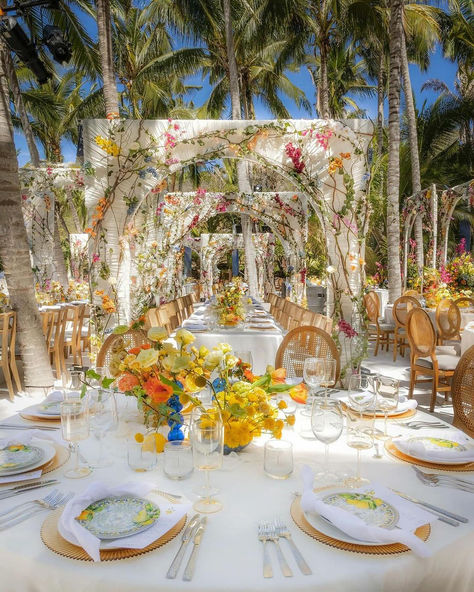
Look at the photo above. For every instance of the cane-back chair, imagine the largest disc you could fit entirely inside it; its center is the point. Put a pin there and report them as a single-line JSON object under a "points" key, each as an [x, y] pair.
{"points": [[462, 393], [382, 333], [7, 351], [448, 321], [115, 348], [401, 308]]}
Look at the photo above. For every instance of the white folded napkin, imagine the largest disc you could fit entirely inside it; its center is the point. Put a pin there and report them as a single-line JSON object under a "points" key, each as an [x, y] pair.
{"points": [[21, 477], [429, 450], [70, 529], [410, 516], [25, 437]]}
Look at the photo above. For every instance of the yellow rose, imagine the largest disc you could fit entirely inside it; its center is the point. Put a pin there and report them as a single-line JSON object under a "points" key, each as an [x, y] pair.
{"points": [[203, 351], [168, 348], [230, 361], [147, 357], [225, 348], [184, 337], [213, 359], [175, 363], [157, 334]]}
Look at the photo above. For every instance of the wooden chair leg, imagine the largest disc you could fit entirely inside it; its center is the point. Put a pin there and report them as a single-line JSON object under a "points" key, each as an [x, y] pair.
{"points": [[434, 392], [57, 364], [16, 376], [8, 379], [412, 382], [395, 346], [377, 344]]}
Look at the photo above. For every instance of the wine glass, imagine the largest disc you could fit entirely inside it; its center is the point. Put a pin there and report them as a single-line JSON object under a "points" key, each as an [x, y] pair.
{"points": [[387, 389], [329, 378], [360, 430], [313, 373], [245, 357], [103, 419], [326, 423], [207, 439], [361, 392], [75, 427]]}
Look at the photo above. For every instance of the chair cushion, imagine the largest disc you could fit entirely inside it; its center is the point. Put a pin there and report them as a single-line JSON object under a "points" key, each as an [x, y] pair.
{"points": [[387, 326], [445, 362], [453, 350]]}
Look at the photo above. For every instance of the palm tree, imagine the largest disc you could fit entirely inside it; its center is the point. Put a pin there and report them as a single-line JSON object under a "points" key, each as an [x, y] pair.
{"points": [[393, 173], [15, 255], [104, 29]]}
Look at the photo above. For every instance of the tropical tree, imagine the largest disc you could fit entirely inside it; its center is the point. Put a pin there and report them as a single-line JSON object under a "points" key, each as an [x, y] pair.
{"points": [[15, 255], [106, 51]]}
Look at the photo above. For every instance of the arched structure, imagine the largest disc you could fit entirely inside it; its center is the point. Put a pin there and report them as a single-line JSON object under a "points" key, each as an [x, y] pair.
{"points": [[324, 160]]}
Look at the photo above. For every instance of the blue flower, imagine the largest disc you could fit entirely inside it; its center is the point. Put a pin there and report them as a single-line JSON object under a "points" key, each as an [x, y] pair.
{"points": [[142, 174], [219, 385]]}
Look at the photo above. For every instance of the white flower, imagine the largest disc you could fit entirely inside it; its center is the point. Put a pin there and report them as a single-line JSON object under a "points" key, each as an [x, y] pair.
{"points": [[134, 146], [330, 269]]}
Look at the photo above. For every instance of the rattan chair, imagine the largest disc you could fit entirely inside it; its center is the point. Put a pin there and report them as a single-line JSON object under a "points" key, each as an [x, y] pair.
{"points": [[380, 332], [119, 343], [425, 358], [462, 393], [413, 294], [448, 321], [302, 343], [401, 308], [7, 351], [464, 301]]}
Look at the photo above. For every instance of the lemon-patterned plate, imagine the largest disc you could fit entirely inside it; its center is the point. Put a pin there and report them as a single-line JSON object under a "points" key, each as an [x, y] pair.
{"points": [[450, 449], [372, 510], [16, 458], [118, 516]]}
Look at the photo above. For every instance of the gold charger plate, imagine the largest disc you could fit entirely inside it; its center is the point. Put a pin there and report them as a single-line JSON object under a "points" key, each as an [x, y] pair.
{"points": [[423, 532], [393, 450], [59, 459], [37, 418], [55, 542], [263, 327], [405, 415]]}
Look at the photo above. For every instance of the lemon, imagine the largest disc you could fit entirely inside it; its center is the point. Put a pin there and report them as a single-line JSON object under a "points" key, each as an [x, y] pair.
{"points": [[141, 516], [153, 442], [139, 437], [160, 442]]}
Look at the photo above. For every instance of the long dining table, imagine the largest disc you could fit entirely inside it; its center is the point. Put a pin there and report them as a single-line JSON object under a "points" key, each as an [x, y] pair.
{"points": [[230, 554]]}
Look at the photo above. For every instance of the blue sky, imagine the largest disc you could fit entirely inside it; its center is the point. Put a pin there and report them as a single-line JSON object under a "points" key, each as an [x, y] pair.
{"points": [[439, 68]]}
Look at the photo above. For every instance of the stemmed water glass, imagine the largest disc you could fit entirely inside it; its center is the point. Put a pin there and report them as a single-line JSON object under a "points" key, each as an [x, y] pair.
{"points": [[207, 439], [75, 427], [313, 373], [103, 419], [387, 389], [329, 378], [326, 423], [360, 430], [361, 392]]}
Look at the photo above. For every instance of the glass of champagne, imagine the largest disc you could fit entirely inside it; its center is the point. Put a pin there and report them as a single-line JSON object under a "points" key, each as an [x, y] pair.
{"points": [[326, 423], [360, 429], [387, 389], [207, 439], [75, 427], [103, 418], [313, 374], [361, 392], [329, 378]]}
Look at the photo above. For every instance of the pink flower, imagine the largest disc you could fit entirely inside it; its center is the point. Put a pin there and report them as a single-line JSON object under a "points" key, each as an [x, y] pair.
{"points": [[95, 258], [294, 154], [347, 329]]}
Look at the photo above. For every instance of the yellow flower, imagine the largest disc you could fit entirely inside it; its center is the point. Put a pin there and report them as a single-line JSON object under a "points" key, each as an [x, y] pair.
{"points": [[203, 351], [282, 404], [290, 420], [157, 334], [168, 348], [225, 348], [194, 383], [147, 358], [175, 363], [184, 337], [230, 361], [213, 359]]}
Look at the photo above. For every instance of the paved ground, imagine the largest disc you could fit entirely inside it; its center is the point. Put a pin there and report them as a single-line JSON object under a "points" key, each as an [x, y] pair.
{"points": [[382, 364]]}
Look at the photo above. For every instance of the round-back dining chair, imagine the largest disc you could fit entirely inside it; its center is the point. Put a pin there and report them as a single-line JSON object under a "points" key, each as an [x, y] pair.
{"points": [[305, 342], [464, 301], [448, 321], [401, 308], [381, 331], [115, 344], [462, 393]]}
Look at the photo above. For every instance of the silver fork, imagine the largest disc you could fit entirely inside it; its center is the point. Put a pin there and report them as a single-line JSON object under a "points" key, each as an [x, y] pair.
{"points": [[267, 565], [59, 500], [283, 531], [41, 502], [419, 425], [444, 481], [272, 535]]}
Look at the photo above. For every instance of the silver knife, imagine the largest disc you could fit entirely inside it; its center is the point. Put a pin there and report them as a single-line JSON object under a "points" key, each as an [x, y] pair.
{"points": [[12, 492], [185, 538], [431, 507], [189, 571], [8, 426]]}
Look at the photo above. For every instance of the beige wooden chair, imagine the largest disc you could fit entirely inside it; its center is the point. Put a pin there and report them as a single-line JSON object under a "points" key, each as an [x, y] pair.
{"points": [[401, 307], [116, 343], [7, 351], [413, 294], [54, 328], [462, 393], [464, 301], [381, 332], [448, 321], [73, 332], [302, 343], [425, 358]]}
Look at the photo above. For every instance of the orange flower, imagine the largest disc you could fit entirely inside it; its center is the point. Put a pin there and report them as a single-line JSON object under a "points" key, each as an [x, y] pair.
{"points": [[278, 375], [134, 351], [127, 382], [299, 393], [157, 390], [345, 154], [249, 375]]}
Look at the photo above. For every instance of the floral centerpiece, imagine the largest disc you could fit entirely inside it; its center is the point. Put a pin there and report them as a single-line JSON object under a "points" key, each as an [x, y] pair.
{"points": [[164, 377], [3, 302], [229, 304]]}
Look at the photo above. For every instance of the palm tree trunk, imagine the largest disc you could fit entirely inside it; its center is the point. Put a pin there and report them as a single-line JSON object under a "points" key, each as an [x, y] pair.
{"points": [[242, 172], [59, 264], [15, 256], [380, 99], [414, 154], [20, 108], [393, 175], [104, 27], [74, 213], [323, 92]]}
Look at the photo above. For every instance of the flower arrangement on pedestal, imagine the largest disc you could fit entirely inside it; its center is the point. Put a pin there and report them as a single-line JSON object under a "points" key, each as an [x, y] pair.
{"points": [[229, 304], [163, 378]]}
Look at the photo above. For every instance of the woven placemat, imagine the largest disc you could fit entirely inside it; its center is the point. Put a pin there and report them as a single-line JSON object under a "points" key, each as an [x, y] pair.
{"points": [[54, 541], [404, 415], [393, 450], [423, 532], [37, 418]]}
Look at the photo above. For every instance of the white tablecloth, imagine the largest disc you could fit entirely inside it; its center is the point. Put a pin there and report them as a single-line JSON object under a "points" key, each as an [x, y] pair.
{"points": [[230, 557], [467, 337]]}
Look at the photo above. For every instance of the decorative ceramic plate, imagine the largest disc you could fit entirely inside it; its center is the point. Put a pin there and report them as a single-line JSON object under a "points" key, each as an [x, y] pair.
{"points": [[402, 407], [435, 444], [17, 458], [40, 411], [53, 408], [372, 510], [118, 517]]}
